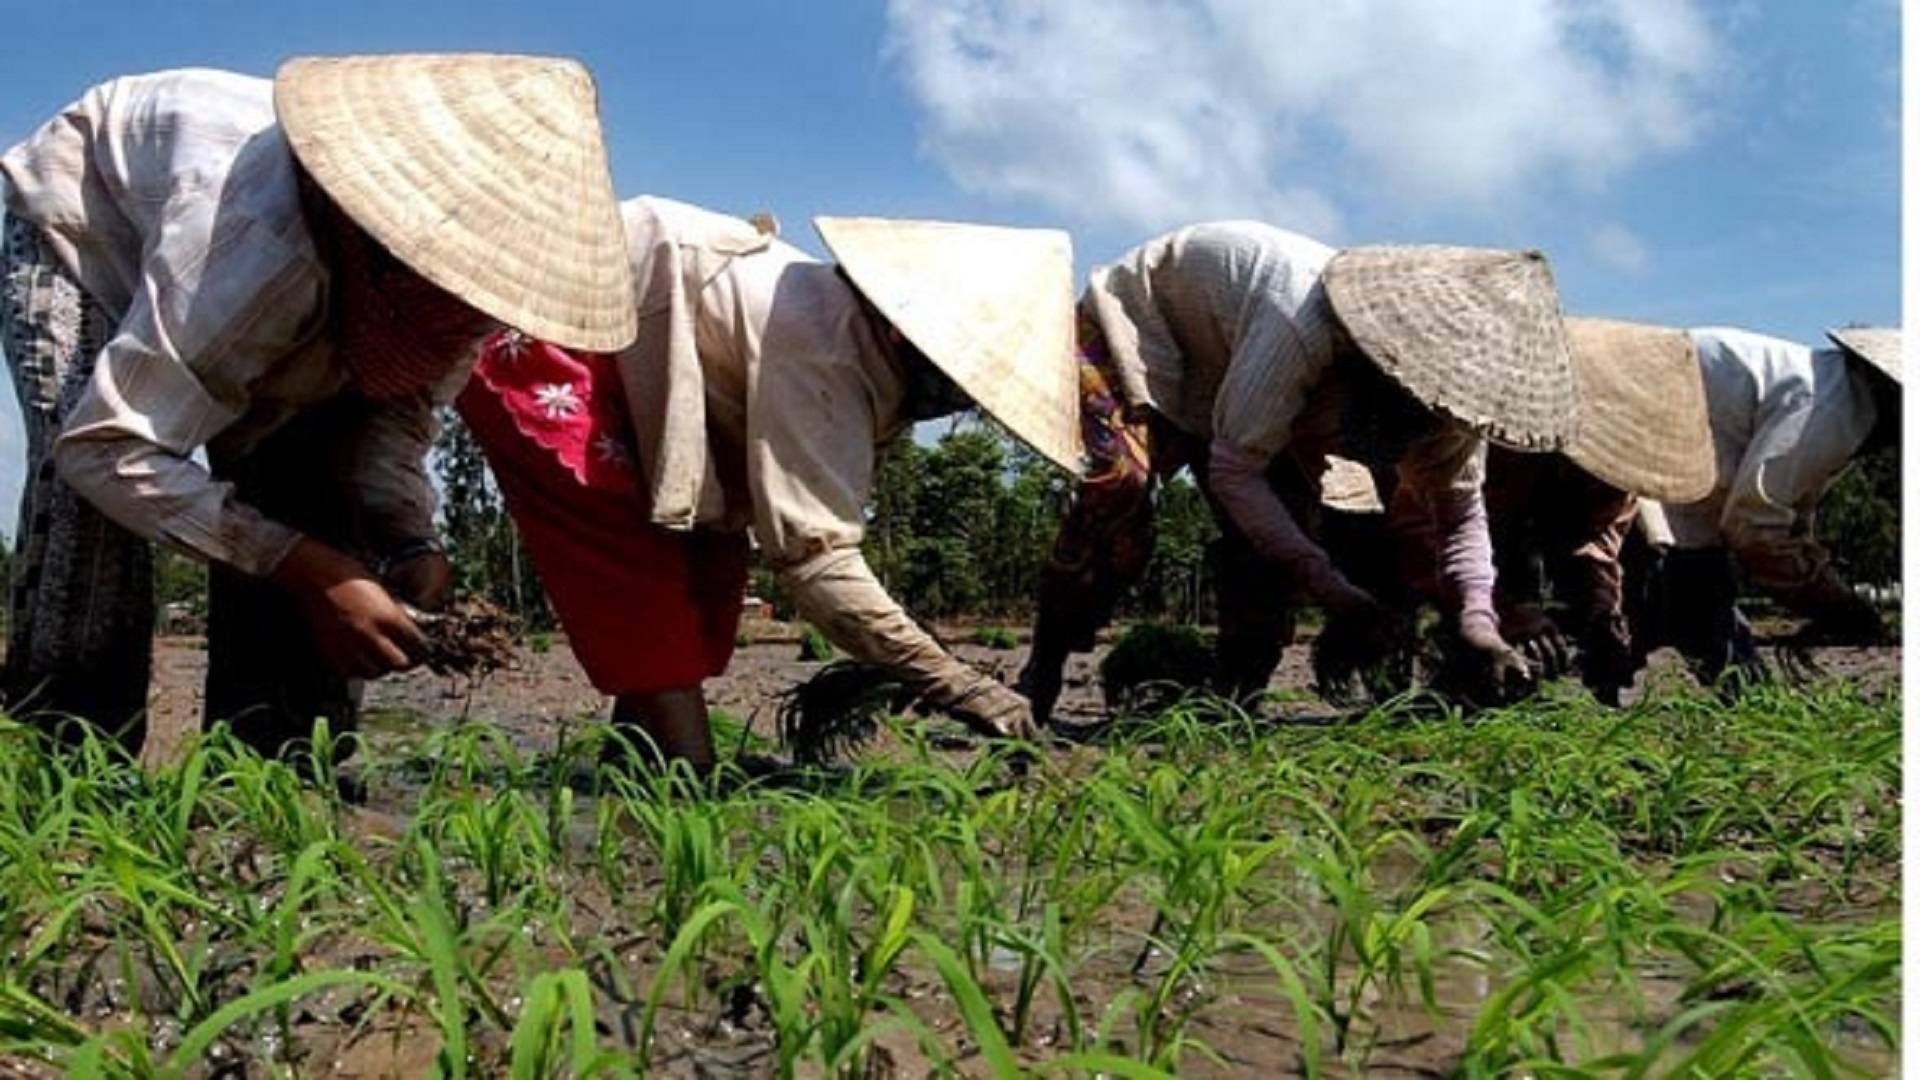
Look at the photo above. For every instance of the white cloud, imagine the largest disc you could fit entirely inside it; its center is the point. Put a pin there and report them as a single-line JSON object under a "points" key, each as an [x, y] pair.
{"points": [[1621, 248], [1151, 112]]}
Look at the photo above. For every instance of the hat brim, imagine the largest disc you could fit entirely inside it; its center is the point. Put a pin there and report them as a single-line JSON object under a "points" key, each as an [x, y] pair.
{"points": [[1877, 347], [1471, 332], [991, 307], [1643, 409], [485, 174]]}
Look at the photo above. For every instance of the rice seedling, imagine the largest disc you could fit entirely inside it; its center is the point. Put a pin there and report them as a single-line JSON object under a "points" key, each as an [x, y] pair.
{"points": [[1689, 886], [814, 646], [996, 637]]}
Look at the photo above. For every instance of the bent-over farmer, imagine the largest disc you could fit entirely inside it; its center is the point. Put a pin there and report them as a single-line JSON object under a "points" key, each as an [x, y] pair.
{"points": [[285, 275], [1249, 354], [759, 394], [1562, 519], [1786, 419]]}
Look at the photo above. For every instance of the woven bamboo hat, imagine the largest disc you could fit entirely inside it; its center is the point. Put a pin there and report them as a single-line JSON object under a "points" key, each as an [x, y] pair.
{"points": [[1472, 332], [1643, 410], [485, 174], [1878, 347], [991, 307]]}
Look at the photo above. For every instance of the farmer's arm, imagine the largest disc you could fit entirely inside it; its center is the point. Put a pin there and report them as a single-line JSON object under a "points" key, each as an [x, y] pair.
{"points": [[810, 465], [175, 375], [1796, 451], [1264, 392], [1445, 471]]}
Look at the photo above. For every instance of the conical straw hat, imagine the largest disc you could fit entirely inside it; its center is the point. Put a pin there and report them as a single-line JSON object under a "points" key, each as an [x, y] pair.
{"points": [[991, 307], [1643, 410], [485, 174], [1879, 347], [1472, 332]]}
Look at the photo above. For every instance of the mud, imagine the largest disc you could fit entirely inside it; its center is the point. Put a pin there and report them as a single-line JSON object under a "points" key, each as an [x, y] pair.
{"points": [[472, 638], [536, 689]]}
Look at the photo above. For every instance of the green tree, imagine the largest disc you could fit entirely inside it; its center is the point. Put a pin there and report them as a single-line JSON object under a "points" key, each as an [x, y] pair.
{"points": [[1859, 519], [898, 483], [1178, 583], [179, 589]]}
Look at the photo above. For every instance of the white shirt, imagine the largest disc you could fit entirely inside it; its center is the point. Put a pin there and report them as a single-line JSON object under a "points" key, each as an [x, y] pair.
{"points": [[174, 200], [1786, 420], [760, 395]]}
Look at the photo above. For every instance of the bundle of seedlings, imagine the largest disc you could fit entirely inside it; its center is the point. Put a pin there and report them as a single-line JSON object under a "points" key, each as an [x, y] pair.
{"points": [[471, 637], [840, 709], [1153, 665]]}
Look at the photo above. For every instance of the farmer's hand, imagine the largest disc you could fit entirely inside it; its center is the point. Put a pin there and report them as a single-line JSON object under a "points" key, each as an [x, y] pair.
{"points": [[356, 624], [1539, 639], [1360, 635], [993, 709], [1495, 666], [425, 580]]}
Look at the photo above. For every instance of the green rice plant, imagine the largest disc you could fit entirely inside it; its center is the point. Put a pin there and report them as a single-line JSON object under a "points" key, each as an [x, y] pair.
{"points": [[1153, 664], [503, 835], [1346, 878], [555, 1034], [688, 840], [995, 637], [975, 1008], [814, 646]]}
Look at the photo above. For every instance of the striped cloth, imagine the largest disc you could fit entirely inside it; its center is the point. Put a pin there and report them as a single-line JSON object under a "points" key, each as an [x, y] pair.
{"points": [[80, 602]]}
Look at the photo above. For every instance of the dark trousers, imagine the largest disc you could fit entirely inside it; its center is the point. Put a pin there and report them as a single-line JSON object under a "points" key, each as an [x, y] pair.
{"points": [[265, 676], [1690, 603]]}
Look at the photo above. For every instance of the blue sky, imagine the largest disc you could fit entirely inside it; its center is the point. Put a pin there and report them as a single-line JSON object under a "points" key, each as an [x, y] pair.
{"points": [[1680, 161]]}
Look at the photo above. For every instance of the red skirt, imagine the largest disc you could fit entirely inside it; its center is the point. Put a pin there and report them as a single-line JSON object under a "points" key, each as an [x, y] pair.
{"points": [[645, 609]]}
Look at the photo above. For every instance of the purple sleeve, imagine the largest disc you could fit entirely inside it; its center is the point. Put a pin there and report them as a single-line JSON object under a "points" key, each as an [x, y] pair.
{"points": [[1238, 480], [1466, 554]]}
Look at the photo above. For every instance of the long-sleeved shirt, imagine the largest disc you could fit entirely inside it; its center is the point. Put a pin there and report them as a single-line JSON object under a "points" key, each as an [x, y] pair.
{"points": [[174, 200], [1225, 330], [760, 396], [1786, 419]]}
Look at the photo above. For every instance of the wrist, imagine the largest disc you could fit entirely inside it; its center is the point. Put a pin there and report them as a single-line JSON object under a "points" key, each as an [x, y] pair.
{"points": [[311, 566], [1479, 623]]}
